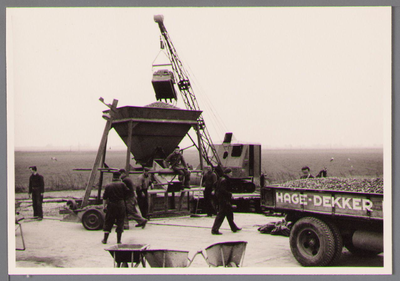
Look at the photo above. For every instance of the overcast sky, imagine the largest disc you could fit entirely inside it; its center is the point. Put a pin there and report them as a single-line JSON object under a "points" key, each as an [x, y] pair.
{"points": [[282, 77]]}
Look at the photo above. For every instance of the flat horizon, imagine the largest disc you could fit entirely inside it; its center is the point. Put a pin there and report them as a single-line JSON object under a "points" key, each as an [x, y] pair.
{"points": [[120, 148]]}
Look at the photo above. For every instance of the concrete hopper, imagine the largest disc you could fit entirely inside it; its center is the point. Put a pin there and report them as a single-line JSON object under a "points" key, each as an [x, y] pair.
{"points": [[152, 132]]}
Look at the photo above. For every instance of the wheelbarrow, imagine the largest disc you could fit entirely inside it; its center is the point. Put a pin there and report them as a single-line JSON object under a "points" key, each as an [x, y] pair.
{"points": [[227, 254], [124, 254], [168, 258]]}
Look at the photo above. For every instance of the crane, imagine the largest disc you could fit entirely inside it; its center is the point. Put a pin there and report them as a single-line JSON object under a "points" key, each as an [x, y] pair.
{"points": [[182, 80]]}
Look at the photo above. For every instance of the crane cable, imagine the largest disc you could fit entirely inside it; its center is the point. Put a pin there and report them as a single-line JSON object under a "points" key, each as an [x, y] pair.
{"points": [[215, 119]]}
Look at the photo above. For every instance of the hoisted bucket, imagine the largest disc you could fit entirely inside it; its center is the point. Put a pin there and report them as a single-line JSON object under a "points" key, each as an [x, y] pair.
{"points": [[163, 84]]}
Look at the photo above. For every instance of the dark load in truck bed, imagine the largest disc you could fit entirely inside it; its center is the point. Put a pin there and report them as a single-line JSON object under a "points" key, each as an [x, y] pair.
{"points": [[364, 185]]}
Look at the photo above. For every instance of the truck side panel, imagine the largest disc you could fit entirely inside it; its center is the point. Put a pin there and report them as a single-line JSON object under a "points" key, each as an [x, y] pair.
{"points": [[324, 202]]}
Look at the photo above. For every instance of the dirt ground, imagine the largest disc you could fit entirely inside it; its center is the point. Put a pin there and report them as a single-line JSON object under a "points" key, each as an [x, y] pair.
{"points": [[53, 244]]}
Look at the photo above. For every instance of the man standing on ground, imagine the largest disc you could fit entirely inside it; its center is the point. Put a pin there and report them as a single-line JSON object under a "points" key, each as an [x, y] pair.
{"points": [[114, 197], [131, 202], [224, 197], [36, 188], [209, 182], [142, 193], [177, 163]]}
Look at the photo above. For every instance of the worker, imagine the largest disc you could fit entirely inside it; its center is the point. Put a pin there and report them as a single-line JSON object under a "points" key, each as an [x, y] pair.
{"points": [[131, 202], [225, 206], [323, 173], [142, 192], [36, 188], [209, 182], [306, 173], [177, 163], [114, 197]]}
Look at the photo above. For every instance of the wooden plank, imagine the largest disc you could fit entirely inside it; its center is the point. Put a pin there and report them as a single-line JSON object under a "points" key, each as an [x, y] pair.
{"points": [[129, 145], [166, 201], [99, 155], [181, 200], [101, 175], [200, 147]]}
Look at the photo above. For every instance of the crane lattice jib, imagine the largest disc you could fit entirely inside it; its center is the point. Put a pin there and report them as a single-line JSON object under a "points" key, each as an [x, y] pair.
{"points": [[183, 82]]}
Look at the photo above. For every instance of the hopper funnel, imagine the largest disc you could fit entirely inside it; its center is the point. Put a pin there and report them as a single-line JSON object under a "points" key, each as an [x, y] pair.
{"points": [[155, 131]]}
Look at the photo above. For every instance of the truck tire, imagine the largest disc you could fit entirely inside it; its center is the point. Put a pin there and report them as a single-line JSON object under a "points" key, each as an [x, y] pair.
{"points": [[92, 220], [338, 242], [312, 242]]}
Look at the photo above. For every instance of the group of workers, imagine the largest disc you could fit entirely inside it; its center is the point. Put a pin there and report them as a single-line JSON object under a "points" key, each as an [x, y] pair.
{"points": [[123, 201], [119, 200]]}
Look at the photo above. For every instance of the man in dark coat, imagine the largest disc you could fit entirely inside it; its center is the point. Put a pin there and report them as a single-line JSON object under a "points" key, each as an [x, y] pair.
{"points": [[306, 174], [224, 197], [142, 193], [114, 197], [36, 188], [131, 202], [177, 163], [209, 182]]}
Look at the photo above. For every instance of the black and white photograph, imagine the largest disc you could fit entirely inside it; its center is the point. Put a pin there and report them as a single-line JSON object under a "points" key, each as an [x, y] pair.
{"points": [[199, 140]]}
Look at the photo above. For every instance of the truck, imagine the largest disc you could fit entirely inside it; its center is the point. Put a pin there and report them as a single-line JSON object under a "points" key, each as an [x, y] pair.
{"points": [[324, 218]]}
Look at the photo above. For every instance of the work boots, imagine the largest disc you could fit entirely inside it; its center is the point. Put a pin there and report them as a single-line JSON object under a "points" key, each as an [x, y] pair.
{"points": [[119, 235], [104, 241]]}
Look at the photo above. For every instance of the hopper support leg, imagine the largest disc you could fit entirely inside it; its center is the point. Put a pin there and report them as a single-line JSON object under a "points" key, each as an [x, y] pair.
{"points": [[99, 155], [129, 144]]}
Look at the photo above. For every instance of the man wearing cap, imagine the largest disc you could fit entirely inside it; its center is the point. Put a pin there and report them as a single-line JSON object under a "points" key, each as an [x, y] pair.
{"points": [[306, 174], [177, 163], [142, 193], [131, 202], [114, 197], [36, 188], [224, 197], [209, 182]]}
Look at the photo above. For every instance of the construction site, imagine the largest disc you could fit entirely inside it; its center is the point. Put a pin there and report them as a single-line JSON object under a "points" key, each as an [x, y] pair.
{"points": [[342, 229]]}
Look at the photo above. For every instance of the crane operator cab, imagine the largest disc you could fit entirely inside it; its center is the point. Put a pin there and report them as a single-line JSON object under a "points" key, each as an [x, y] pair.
{"points": [[163, 84]]}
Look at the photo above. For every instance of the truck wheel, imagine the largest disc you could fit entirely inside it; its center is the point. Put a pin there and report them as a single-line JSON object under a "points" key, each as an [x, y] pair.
{"points": [[312, 242], [338, 242], [357, 251], [92, 220]]}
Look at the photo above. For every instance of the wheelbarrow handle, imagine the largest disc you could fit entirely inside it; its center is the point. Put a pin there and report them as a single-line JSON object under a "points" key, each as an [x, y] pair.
{"points": [[192, 259]]}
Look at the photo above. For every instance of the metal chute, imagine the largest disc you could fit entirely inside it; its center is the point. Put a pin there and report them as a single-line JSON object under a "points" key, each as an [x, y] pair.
{"points": [[154, 131]]}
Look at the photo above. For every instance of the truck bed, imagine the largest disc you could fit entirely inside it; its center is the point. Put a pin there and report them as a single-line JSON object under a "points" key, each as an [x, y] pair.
{"points": [[328, 202]]}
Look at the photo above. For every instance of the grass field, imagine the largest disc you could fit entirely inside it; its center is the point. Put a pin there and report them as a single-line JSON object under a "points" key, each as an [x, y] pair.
{"points": [[278, 165]]}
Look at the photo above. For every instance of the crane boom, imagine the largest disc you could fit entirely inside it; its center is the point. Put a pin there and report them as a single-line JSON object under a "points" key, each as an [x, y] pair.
{"points": [[184, 86]]}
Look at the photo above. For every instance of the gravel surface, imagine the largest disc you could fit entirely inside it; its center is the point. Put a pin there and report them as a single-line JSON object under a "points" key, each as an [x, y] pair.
{"points": [[363, 185], [52, 244]]}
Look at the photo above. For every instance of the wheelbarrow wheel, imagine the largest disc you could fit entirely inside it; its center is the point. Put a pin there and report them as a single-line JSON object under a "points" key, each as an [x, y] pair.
{"points": [[92, 220]]}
